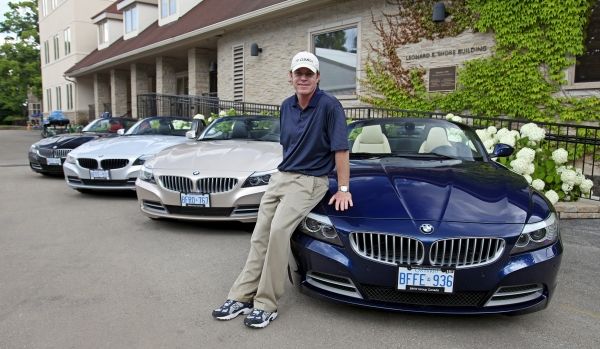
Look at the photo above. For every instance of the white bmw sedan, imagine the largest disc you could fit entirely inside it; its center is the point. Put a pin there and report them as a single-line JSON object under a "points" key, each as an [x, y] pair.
{"points": [[114, 163], [221, 176]]}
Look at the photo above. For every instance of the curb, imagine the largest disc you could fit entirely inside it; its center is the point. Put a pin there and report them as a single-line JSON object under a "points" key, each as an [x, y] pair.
{"points": [[580, 209]]}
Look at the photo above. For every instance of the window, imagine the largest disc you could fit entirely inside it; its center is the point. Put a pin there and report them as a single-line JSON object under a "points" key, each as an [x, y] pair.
{"points": [[58, 98], [56, 47], [35, 109], [238, 73], [168, 8], [131, 19], [46, 52], [587, 67], [337, 53], [69, 96], [49, 99], [67, 40], [103, 32]]}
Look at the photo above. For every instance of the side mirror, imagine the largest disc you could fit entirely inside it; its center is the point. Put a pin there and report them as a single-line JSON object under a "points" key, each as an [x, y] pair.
{"points": [[121, 131], [191, 134], [502, 150]]}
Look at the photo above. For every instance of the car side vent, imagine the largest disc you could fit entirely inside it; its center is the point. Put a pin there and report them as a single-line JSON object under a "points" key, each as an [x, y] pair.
{"points": [[388, 248]]}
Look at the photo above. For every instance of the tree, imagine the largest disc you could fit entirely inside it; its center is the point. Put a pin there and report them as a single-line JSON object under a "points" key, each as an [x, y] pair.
{"points": [[19, 56]]}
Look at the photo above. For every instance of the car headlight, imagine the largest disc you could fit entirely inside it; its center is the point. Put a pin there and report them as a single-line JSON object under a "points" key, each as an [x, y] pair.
{"points": [[71, 159], [147, 174], [142, 159], [34, 149], [537, 235], [320, 228], [258, 178]]}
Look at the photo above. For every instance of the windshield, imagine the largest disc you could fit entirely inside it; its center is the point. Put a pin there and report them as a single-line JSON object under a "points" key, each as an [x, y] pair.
{"points": [[256, 128], [164, 126], [419, 138], [107, 125]]}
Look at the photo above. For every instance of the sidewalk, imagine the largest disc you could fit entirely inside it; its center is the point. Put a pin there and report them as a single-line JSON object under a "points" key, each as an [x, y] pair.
{"points": [[582, 208]]}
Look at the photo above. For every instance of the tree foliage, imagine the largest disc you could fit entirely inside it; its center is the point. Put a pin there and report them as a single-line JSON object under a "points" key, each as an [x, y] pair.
{"points": [[19, 56]]}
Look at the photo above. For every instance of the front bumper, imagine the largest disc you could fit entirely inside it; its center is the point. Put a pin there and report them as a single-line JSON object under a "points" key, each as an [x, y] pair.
{"points": [[239, 204], [123, 178], [524, 283], [39, 164]]}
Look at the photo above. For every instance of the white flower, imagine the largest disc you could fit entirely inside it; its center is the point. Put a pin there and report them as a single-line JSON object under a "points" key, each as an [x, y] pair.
{"points": [[223, 113], [491, 130], [489, 145], [560, 156], [586, 186], [528, 178], [568, 177], [502, 132], [508, 139], [453, 117], [483, 135], [449, 116], [522, 166], [552, 196], [526, 154], [566, 187], [199, 116], [538, 184], [533, 132]]}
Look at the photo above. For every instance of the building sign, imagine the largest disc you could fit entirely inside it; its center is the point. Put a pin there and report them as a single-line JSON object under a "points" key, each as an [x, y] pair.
{"points": [[445, 52], [442, 79]]}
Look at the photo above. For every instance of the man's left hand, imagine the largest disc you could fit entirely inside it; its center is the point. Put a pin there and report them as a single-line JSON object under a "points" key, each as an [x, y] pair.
{"points": [[342, 200]]}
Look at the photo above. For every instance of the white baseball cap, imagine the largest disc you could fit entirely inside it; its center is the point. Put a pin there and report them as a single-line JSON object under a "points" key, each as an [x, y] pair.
{"points": [[305, 60]]}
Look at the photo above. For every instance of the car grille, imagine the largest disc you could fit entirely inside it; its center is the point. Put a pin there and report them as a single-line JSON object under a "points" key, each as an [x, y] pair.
{"points": [[109, 164], [456, 299], [454, 253], [54, 153], [200, 211], [215, 184], [388, 248], [91, 164], [465, 252], [176, 183]]}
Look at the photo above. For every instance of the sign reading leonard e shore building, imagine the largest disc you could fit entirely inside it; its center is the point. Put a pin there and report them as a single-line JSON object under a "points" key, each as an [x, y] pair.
{"points": [[440, 57]]}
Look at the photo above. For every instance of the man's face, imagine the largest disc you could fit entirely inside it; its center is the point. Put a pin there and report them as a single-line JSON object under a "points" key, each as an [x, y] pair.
{"points": [[304, 81]]}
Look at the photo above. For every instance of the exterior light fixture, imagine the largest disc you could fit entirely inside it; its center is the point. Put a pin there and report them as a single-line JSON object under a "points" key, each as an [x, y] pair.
{"points": [[439, 11], [255, 50]]}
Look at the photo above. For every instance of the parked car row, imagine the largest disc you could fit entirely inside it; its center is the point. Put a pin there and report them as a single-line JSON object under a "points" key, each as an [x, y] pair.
{"points": [[437, 226]]}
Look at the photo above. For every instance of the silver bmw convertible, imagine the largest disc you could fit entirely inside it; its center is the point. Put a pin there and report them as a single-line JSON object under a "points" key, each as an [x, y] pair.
{"points": [[220, 176], [114, 163]]}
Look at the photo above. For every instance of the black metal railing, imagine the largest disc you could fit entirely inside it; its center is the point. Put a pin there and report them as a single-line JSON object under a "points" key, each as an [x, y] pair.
{"points": [[581, 141]]}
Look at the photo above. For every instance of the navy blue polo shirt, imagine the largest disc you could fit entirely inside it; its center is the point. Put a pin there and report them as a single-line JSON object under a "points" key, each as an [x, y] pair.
{"points": [[310, 137]]}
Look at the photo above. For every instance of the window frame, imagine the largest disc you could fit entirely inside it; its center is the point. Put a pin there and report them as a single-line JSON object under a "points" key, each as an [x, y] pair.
{"points": [[49, 99], [46, 52], [103, 32], [58, 98], [169, 10], [338, 26], [56, 46], [67, 40], [69, 96], [131, 20]]}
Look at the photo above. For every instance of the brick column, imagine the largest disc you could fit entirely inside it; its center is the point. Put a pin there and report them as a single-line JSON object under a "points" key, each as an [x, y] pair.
{"points": [[166, 83], [198, 70], [140, 84], [119, 91], [101, 92]]}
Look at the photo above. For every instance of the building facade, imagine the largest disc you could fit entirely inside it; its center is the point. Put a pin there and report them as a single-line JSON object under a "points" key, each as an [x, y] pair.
{"points": [[240, 50], [67, 35]]}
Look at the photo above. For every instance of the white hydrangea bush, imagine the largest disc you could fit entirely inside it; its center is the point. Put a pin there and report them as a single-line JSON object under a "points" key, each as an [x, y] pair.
{"points": [[545, 170]]}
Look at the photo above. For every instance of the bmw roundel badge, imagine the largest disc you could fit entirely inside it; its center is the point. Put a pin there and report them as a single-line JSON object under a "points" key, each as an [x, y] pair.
{"points": [[195, 173], [426, 228]]}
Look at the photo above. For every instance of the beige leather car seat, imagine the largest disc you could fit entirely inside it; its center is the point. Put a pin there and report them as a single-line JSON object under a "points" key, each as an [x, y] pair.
{"points": [[371, 140], [435, 138]]}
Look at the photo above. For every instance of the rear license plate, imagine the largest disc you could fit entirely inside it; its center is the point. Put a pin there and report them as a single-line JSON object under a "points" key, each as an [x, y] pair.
{"points": [[432, 280], [200, 200], [99, 174], [53, 161]]}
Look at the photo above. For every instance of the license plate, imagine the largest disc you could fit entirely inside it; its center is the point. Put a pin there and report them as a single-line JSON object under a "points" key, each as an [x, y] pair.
{"points": [[432, 280], [200, 200], [53, 161], [99, 174]]}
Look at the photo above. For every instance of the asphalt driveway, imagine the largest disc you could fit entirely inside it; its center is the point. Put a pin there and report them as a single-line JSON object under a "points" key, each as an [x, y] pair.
{"points": [[90, 271]]}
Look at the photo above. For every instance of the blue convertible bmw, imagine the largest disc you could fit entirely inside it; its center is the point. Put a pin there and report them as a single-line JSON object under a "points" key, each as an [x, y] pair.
{"points": [[437, 227]]}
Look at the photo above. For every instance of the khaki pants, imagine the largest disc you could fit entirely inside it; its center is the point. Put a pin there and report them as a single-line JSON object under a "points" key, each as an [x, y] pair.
{"points": [[288, 199]]}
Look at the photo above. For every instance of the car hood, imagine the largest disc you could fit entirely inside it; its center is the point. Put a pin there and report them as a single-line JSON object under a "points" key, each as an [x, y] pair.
{"points": [[127, 145], [68, 141], [450, 190], [223, 155]]}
